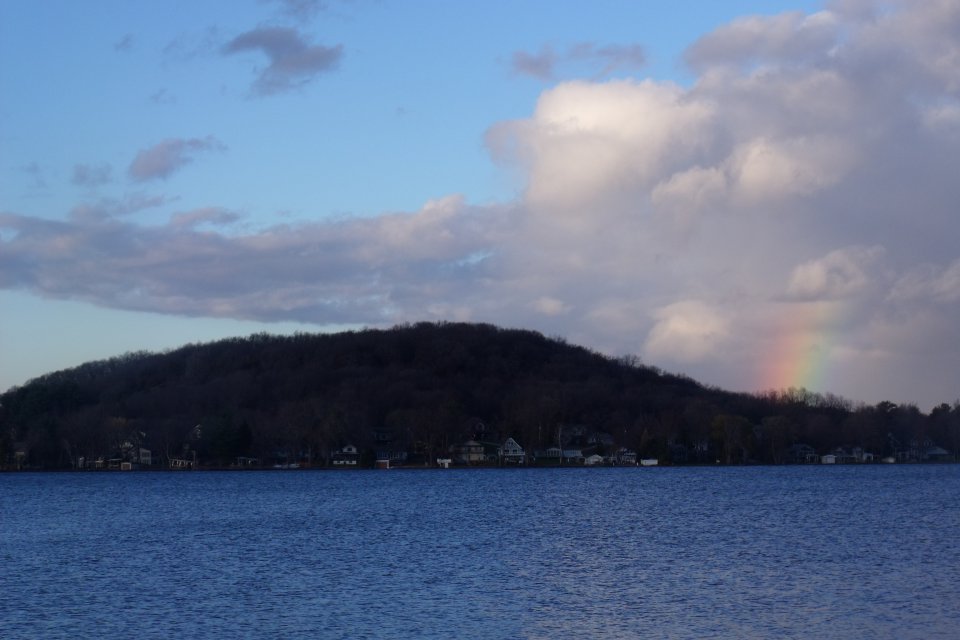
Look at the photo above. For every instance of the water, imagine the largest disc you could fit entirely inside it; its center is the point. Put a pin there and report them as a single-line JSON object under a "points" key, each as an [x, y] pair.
{"points": [[775, 552]]}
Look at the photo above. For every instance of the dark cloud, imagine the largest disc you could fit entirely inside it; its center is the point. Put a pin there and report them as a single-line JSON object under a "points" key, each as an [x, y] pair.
{"points": [[165, 158], [293, 61], [124, 44], [209, 215], [105, 208], [539, 65], [86, 175], [368, 270], [602, 60]]}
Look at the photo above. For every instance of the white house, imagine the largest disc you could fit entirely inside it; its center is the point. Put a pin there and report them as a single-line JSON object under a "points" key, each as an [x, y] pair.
{"points": [[347, 456], [512, 452]]}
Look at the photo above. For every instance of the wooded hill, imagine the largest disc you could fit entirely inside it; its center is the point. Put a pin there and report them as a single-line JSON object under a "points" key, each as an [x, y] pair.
{"points": [[424, 388]]}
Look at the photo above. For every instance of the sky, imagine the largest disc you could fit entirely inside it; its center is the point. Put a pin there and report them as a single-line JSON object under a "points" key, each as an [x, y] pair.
{"points": [[760, 194]]}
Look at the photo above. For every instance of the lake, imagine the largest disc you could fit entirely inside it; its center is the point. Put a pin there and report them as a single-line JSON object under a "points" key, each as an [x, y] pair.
{"points": [[749, 552]]}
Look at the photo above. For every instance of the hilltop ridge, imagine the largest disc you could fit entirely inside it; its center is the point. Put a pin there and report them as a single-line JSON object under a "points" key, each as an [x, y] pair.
{"points": [[427, 387]]}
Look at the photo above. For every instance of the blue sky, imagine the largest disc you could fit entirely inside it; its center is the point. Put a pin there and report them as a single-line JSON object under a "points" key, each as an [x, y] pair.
{"points": [[758, 194]]}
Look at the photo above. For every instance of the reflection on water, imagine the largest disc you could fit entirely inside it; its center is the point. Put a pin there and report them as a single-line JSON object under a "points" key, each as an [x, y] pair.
{"points": [[845, 552]]}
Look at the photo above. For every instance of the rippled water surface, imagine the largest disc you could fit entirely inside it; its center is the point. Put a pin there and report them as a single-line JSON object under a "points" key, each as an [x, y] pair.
{"points": [[774, 552]]}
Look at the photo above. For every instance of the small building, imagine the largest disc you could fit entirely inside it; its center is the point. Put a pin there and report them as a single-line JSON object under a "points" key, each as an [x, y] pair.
{"points": [[592, 460], [828, 459], [470, 452], [182, 463], [348, 456], [396, 457], [936, 453], [573, 456], [803, 454], [552, 455], [513, 453]]}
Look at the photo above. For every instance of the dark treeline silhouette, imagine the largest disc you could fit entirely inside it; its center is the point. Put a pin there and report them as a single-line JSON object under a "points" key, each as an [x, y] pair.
{"points": [[424, 388]]}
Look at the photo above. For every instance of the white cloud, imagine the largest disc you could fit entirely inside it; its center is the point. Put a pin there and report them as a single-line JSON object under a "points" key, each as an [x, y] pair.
{"points": [[686, 331], [839, 274], [586, 139], [765, 169], [550, 306]]}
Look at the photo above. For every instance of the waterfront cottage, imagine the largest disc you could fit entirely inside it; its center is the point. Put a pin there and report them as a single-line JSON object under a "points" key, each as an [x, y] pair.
{"points": [[470, 452], [513, 453], [626, 457], [348, 456], [803, 454]]}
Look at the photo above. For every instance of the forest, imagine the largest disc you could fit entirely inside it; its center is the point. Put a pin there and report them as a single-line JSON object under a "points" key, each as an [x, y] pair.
{"points": [[424, 389]]}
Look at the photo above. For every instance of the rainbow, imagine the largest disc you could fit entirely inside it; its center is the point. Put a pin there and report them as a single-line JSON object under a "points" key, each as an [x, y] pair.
{"points": [[799, 356]]}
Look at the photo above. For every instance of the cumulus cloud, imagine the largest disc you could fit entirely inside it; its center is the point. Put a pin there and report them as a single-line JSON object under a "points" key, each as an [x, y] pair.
{"points": [[293, 61], [790, 38], [689, 330], [802, 191], [167, 157], [587, 139], [839, 274]]}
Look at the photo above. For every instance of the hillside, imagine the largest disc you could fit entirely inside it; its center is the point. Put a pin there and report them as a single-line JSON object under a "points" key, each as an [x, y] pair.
{"points": [[421, 389]]}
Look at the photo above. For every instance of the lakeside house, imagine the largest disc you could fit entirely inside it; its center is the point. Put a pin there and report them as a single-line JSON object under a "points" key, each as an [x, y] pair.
{"points": [[801, 453], [389, 449], [347, 456], [513, 453], [469, 452]]}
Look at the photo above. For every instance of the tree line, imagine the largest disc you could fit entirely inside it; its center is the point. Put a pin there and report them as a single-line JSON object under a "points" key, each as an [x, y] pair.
{"points": [[423, 388]]}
